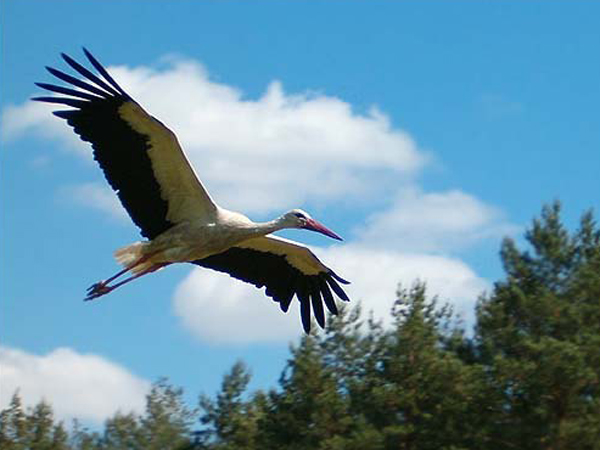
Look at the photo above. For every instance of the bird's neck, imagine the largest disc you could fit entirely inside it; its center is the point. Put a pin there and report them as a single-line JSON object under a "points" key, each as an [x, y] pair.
{"points": [[264, 228]]}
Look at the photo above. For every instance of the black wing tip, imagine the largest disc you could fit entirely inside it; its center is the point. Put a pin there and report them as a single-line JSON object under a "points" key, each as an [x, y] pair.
{"points": [[327, 297], [103, 72], [65, 114], [103, 85], [70, 61], [337, 288], [337, 277], [284, 283], [305, 315], [45, 99], [319, 313], [90, 56]]}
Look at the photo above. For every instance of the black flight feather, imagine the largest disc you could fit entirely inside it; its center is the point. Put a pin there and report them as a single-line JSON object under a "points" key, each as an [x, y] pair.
{"points": [[327, 297], [304, 299], [76, 82], [67, 91], [121, 151], [75, 103], [317, 302], [89, 75], [100, 68], [282, 280]]}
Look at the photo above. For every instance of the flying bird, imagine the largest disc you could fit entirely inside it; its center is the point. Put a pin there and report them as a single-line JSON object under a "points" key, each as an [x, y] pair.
{"points": [[147, 168]]}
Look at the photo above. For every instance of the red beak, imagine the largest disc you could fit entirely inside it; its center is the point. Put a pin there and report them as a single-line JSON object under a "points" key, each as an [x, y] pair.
{"points": [[312, 224]]}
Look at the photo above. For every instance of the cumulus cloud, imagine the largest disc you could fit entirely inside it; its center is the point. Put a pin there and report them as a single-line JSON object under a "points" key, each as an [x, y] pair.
{"points": [[36, 117], [283, 150], [85, 386], [433, 222], [216, 308], [263, 154], [96, 196]]}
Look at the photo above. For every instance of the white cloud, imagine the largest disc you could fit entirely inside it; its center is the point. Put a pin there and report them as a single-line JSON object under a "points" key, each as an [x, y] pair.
{"points": [[216, 308], [278, 151], [85, 386], [37, 117], [376, 272], [433, 222], [96, 196], [283, 150]]}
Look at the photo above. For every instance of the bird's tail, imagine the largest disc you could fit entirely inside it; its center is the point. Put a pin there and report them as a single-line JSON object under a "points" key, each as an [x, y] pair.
{"points": [[130, 256]]}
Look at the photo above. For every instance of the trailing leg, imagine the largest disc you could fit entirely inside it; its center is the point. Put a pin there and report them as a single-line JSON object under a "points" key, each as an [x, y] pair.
{"points": [[102, 288]]}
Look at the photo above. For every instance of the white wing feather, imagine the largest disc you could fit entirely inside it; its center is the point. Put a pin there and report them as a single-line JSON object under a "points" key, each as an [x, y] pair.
{"points": [[296, 254], [179, 184]]}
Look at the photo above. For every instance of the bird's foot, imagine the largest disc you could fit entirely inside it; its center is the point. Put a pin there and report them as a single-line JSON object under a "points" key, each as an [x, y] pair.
{"points": [[97, 290]]}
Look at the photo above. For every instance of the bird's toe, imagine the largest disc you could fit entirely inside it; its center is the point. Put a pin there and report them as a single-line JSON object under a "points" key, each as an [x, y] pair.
{"points": [[97, 290], [96, 286]]}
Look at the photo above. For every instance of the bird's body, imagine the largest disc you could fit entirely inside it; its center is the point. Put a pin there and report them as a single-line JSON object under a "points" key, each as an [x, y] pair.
{"points": [[144, 163], [193, 240]]}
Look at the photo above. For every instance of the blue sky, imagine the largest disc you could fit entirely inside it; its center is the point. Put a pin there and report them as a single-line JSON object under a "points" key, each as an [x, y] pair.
{"points": [[423, 132]]}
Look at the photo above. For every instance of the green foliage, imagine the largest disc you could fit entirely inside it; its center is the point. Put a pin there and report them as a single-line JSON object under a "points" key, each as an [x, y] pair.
{"points": [[529, 378], [539, 333], [231, 422], [308, 409], [166, 424], [33, 429], [167, 421]]}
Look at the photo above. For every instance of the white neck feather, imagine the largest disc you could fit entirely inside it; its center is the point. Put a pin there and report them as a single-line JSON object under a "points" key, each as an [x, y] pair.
{"points": [[264, 228]]}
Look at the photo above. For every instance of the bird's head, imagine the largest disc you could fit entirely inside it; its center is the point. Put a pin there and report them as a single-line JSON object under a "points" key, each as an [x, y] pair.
{"points": [[296, 218]]}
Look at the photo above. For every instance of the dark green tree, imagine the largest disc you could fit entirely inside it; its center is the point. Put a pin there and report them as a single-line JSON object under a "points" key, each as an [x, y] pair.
{"points": [[167, 421], [124, 431], [231, 422], [529, 378], [423, 396], [538, 332], [352, 351], [83, 439], [34, 429], [41, 425], [308, 411], [14, 433]]}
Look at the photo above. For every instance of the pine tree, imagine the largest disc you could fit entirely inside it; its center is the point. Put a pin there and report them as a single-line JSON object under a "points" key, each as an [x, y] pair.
{"points": [[352, 351], [13, 425], [231, 422], [41, 425], [167, 421], [539, 333], [308, 412], [33, 429], [82, 439], [423, 396], [123, 431]]}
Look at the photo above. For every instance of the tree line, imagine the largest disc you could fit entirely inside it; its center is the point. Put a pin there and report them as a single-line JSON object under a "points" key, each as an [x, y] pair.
{"points": [[528, 377]]}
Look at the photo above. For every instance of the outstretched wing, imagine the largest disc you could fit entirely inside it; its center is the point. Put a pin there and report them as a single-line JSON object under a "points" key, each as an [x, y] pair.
{"points": [[140, 157], [286, 268]]}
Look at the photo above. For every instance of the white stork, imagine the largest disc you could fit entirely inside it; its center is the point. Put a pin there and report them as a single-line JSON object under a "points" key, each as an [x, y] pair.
{"points": [[143, 162]]}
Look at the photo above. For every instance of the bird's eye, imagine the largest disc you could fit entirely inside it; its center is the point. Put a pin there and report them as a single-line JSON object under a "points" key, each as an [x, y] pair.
{"points": [[299, 215]]}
